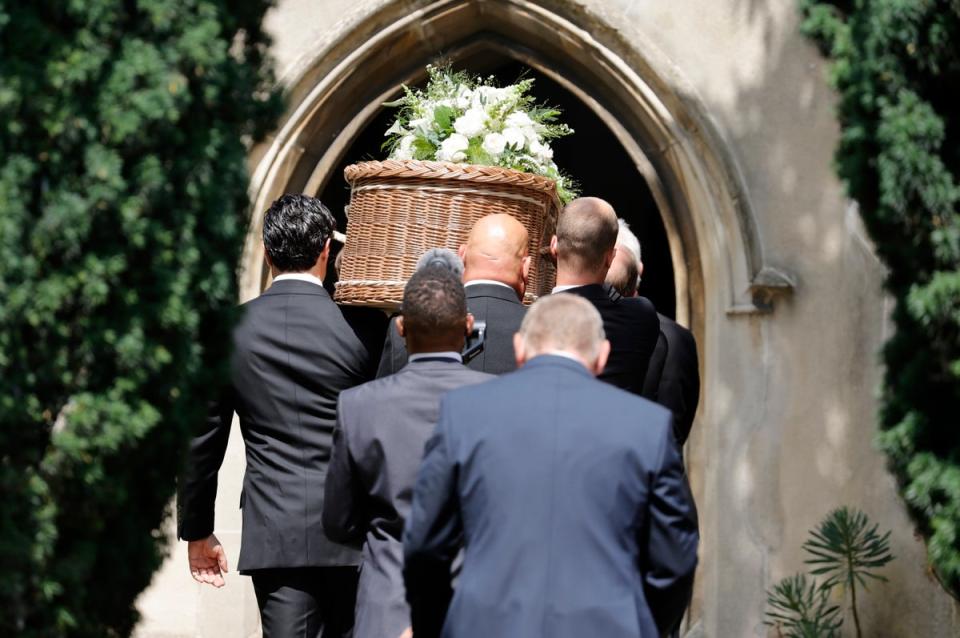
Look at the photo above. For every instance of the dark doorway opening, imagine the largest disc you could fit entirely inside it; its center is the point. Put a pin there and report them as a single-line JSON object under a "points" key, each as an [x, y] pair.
{"points": [[592, 156]]}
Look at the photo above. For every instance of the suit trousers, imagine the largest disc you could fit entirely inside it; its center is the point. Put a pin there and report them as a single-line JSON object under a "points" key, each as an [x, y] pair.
{"points": [[306, 602]]}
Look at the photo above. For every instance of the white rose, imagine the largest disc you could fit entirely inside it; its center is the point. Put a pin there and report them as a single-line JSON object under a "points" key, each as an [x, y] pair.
{"points": [[542, 151], [494, 143], [519, 119], [533, 137], [464, 97], [491, 95], [452, 149], [514, 138], [471, 123], [404, 150]]}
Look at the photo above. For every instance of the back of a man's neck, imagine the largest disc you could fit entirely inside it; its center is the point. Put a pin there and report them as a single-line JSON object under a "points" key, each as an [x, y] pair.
{"points": [[576, 282], [304, 273], [435, 349], [569, 277], [469, 277]]}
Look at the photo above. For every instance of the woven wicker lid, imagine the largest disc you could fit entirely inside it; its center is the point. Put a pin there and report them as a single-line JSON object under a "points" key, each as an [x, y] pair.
{"points": [[448, 170]]}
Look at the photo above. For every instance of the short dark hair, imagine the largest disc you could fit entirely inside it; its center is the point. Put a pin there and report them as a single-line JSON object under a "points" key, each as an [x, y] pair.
{"points": [[434, 303], [295, 230], [586, 232]]}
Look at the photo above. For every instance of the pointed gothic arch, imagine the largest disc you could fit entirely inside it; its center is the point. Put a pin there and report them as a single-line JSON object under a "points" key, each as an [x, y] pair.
{"points": [[336, 89]]}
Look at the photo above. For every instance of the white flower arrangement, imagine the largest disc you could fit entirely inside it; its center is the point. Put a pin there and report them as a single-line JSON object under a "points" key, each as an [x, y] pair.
{"points": [[462, 119]]}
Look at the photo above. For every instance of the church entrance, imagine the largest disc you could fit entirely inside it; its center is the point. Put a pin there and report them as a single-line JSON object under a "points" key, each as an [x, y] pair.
{"points": [[642, 142]]}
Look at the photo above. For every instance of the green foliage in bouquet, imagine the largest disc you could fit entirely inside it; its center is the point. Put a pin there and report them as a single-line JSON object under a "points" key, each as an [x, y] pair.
{"points": [[463, 119], [123, 140], [896, 68]]}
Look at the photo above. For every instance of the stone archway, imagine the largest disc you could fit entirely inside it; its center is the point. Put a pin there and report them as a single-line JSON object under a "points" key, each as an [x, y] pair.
{"points": [[715, 249]]}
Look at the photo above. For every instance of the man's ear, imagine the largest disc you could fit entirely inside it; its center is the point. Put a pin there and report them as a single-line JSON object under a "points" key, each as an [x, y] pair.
{"points": [[553, 248], [525, 269], [266, 257], [470, 323], [400, 329], [602, 357], [610, 257], [325, 253], [462, 251], [519, 352]]}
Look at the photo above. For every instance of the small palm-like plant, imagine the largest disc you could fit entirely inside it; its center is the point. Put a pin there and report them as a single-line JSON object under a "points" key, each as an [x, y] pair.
{"points": [[799, 608], [848, 550]]}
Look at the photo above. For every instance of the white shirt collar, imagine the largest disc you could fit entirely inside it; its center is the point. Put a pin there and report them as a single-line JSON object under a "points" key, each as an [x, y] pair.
{"points": [[436, 355], [473, 282], [299, 276], [557, 289]]}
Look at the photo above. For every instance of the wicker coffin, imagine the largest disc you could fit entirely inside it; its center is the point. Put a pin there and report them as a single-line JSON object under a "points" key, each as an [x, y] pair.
{"points": [[400, 209]]}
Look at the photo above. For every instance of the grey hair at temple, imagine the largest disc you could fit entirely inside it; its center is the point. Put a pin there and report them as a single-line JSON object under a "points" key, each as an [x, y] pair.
{"points": [[627, 239]]}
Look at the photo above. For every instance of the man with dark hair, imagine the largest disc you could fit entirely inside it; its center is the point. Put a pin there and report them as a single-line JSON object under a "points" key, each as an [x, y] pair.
{"points": [[673, 378], [495, 266], [381, 430], [293, 355], [585, 246], [567, 495]]}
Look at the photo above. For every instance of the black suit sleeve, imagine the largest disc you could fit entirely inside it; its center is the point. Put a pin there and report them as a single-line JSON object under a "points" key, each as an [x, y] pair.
{"points": [[370, 326], [432, 536], [394, 354], [651, 382], [670, 540], [343, 496], [197, 492], [679, 388]]}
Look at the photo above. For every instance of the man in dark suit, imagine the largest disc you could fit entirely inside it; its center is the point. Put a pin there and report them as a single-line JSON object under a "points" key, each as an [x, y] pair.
{"points": [[496, 264], [382, 427], [673, 378], [584, 247], [568, 493], [293, 355]]}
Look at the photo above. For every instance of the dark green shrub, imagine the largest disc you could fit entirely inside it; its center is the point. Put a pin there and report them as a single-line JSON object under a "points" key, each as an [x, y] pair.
{"points": [[123, 203], [896, 67]]}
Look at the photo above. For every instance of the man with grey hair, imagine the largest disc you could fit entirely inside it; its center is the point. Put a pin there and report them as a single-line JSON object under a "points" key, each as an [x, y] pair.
{"points": [[568, 495], [673, 376], [585, 246]]}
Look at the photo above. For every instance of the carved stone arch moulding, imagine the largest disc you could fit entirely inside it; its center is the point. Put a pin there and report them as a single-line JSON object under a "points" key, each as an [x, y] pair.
{"points": [[335, 89]]}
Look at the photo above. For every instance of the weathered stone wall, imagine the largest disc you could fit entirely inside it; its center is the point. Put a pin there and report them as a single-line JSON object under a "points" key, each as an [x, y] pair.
{"points": [[787, 414]]}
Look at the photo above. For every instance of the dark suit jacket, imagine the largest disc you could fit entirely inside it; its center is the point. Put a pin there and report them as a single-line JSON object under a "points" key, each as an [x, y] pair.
{"points": [[382, 427], [293, 354], [573, 505], [673, 379], [502, 311], [631, 327], [370, 326]]}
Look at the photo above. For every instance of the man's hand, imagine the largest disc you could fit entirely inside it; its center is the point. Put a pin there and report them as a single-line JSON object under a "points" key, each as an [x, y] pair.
{"points": [[208, 561], [407, 633]]}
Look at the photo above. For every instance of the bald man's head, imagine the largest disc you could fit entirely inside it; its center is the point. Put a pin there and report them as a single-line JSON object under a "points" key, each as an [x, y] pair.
{"points": [[497, 250], [586, 239]]}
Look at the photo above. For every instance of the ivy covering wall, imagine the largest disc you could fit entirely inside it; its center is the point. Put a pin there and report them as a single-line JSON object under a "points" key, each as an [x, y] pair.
{"points": [[896, 67], [124, 130]]}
